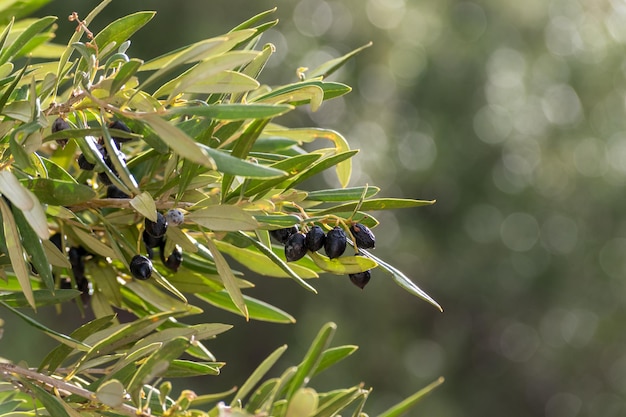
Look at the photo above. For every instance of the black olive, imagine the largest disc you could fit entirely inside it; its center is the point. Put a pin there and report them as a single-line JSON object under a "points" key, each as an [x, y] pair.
{"points": [[56, 240], [282, 235], [58, 125], [295, 248], [315, 239], [104, 179], [76, 260], [363, 236], [335, 244], [83, 163], [360, 279], [114, 192], [156, 229], [141, 267], [151, 242], [119, 125], [174, 260]]}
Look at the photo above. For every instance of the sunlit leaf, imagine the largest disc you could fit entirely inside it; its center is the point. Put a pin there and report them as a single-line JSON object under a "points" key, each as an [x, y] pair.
{"points": [[333, 65], [405, 405], [111, 393], [257, 309], [228, 279], [144, 204], [258, 374], [223, 218], [343, 265], [59, 192]]}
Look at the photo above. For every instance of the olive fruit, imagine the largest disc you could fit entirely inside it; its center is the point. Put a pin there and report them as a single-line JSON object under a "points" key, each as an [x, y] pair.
{"points": [[83, 163], [315, 239], [363, 236], [174, 260], [141, 267], [335, 244], [156, 229], [114, 192], [282, 235], [295, 247], [119, 125], [58, 125], [104, 178], [175, 217], [360, 279]]}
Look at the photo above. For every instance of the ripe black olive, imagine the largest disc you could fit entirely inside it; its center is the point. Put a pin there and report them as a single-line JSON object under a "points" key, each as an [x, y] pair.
{"points": [[119, 125], [114, 192], [295, 248], [360, 279], [58, 125], [104, 179], [174, 260], [363, 236], [141, 267], [315, 239], [335, 244], [83, 163], [282, 235], [156, 229]]}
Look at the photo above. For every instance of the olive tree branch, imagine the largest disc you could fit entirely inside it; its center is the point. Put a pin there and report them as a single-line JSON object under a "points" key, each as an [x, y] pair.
{"points": [[9, 369]]}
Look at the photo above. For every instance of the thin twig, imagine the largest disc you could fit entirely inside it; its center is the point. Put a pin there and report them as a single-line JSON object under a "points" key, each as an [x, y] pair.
{"points": [[64, 386]]}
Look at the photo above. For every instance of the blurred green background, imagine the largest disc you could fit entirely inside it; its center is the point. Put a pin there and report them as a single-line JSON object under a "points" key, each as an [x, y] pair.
{"points": [[511, 114]]}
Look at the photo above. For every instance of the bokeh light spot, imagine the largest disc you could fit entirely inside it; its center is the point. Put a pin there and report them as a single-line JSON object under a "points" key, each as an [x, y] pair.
{"points": [[519, 231]]}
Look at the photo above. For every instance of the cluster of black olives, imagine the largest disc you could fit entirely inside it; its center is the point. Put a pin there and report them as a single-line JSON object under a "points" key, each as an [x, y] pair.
{"points": [[112, 191], [334, 243], [76, 255], [154, 237]]}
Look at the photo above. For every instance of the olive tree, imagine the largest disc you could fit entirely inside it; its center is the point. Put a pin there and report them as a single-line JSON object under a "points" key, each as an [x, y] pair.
{"points": [[128, 186]]}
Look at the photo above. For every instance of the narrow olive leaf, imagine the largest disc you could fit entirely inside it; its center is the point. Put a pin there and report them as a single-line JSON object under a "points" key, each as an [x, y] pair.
{"points": [[60, 192], [228, 278], [155, 365], [22, 40], [51, 403], [271, 407], [261, 395], [60, 337], [254, 68], [233, 112], [229, 164], [306, 135], [42, 298], [333, 65], [13, 243], [342, 194], [303, 403], [312, 358], [377, 204], [55, 358], [298, 276], [179, 141], [256, 18], [312, 94], [196, 332], [257, 309], [11, 188], [267, 263], [339, 402], [94, 244], [292, 166], [323, 165], [211, 398], [55, 256], [223, 218], [333, 355], [7, 406], [242, 148], [405, 405], [34, 247], [343, 265], [36, 217], [166, 302], [120, 30], [180, 238], [120, 169], [5, 32], [111, 393], [125, 73], [186, 369], [278, 220], [403, 281], [258, 374], [144, 204]]}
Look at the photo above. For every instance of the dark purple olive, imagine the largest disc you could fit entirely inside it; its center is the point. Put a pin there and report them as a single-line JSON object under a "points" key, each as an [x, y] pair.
{"points": [[295, 248], [360, 279], [114, 192], [282, 235], [58, 125], [141, 267], [335, 244], [119, 125], [158, 228], [104, 178], [363, 236], [174, 260], [83, 163], [315, 239]]}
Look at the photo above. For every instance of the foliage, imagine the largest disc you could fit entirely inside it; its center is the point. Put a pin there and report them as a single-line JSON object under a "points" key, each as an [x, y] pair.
{"points": [[96, 147]]}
